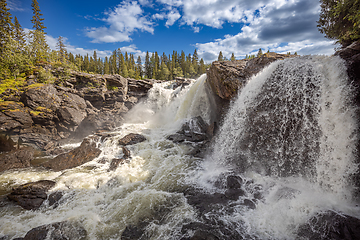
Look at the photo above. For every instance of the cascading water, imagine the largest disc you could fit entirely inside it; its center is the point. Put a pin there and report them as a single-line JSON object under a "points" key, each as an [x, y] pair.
{"points": [[289, 136]]}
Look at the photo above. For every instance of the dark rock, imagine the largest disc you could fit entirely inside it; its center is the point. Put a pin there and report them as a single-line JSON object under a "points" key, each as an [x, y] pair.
{"points": [[133, 232], [194, 130], [6, 143], [19, 158], [139, 87], [204, 201], [54, 198], [86, 152], [58, 231], [234, 194], [131, 139], [31, 195], [14, 111], [96, 96], [330, 225], [115, 163], [45, 96], [233, 182], [249, 203], [126, 152]]}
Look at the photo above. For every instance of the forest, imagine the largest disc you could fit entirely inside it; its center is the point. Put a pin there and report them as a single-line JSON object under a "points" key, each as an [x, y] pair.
{"points": [[23, 53]]}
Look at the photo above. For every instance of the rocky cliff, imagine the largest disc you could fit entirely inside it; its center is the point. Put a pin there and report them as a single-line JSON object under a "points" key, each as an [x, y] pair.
{"points": [[41, 114], [225, 78]]}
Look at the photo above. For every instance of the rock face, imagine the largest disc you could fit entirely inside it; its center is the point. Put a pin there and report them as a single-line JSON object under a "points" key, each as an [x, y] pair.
{"points": [[58, 231], [227, 77], [331, 225], [131, 139], [16, 159], [351, 55], [80, 155], [43, 114], [30, 196], [194, 130]]}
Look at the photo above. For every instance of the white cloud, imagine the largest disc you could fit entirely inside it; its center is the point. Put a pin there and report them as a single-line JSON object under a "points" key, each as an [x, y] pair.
{"points": [[123, 21], [172, 17], [281, 26], [15, 5]]}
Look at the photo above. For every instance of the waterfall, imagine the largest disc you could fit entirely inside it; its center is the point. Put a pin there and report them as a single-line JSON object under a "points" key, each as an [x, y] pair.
{"points": [[285, 151]]}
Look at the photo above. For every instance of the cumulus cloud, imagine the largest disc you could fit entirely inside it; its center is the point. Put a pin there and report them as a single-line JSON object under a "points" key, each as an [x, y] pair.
{"points": [[281, 26], [15, 5], [122, 22]]}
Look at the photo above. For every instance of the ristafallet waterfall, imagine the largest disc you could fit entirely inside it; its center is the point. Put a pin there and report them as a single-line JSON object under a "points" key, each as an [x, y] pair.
{"points": [[285, 152]]}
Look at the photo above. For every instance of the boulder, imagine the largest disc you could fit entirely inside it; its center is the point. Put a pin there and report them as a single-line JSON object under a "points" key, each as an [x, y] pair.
{"points": [[226, 77], [194, 130], [18, 158], [57, 231], [45, 96], [86, 152], [115, 163], [6, 143], [131, 139], [139, 88], [330, 225], [14, 115], [30, 196]]}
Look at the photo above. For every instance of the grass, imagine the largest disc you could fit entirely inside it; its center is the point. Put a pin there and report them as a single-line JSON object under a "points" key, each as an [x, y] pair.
{"points": [[14, 84]]}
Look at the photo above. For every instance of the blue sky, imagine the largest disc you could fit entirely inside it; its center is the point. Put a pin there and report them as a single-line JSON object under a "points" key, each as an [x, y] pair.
{"points": [[231, 26]]}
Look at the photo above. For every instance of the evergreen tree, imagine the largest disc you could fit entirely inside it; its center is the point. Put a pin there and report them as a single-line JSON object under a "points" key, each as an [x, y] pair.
{"points": [[164, 72], [19, 34], [183, 62], [340, 20], [139, 67], [202, 68], [195, 61], [61, 48], [220, 57], [147, 66], [38, 43], [5, 25], [232, 57], [260, 53]]}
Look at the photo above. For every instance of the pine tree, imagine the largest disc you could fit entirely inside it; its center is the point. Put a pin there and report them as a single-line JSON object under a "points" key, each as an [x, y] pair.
{"points": [[232, 57], [202, 68], [61, 48], [220, 57], [5, 25], [139, 67], [260, 53], [38, 44], [19, 34], [147, 66]]}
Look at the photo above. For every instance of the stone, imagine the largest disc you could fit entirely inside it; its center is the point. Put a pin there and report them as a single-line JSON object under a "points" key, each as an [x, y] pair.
{"points": [[133, 232], [45, 96], [131, 139], [54, 198], [330, 225], [115, 163], [126, 152], [14, 111], [18, 158], [86, 152], [194, 130], [30, 196], [57, 231], [6, 143]]}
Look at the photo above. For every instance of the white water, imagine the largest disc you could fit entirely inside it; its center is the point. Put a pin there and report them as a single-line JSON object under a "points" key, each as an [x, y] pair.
{"points": [[300, 172]]}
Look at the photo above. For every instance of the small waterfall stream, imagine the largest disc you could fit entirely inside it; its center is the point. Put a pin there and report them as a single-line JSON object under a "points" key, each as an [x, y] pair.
{"points": [[289, 137]]}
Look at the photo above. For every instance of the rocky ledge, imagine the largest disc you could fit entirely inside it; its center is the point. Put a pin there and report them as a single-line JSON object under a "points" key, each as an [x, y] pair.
{"points": [[41, 115], [225, 78]]}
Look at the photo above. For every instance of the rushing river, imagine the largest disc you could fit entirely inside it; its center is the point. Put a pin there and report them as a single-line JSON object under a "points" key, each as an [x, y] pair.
{"points": [[290, 135]]}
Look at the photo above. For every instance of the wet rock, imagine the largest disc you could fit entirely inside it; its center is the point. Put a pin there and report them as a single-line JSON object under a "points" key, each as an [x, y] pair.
{"points": [[86, 152], [54, 198], [133, 232], [115, 163], [204, 201], [6, 143], [194, 130], [126, 152], [330, 225], [18, 158], [58, 231], [139, 88], [249, 203], [14, 115], [30, 196], [233, 182], [131, 139], [234, 194]]}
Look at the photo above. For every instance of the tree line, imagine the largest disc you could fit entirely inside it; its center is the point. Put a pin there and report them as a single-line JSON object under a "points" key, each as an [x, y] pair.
{"points": [[20, 52]]}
